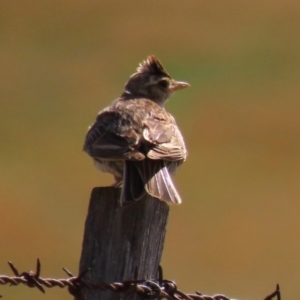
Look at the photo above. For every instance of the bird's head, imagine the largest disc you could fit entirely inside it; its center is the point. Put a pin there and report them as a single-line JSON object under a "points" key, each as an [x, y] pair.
{"points": [[151, 81]]}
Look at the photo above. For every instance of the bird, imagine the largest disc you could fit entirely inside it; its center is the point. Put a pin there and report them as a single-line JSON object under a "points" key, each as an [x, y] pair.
{"points": [[137, 140]]}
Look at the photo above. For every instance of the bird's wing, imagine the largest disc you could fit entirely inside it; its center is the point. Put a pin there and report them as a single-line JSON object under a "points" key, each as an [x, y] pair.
{"points": [[165, 137], [112, 137]]}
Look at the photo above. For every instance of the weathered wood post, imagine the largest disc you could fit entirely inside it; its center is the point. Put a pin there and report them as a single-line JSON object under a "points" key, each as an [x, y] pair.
{"points": [[121, 240]]}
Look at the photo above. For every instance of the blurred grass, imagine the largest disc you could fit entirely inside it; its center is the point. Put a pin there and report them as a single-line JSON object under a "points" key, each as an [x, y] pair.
{"points": [[237, 231]]}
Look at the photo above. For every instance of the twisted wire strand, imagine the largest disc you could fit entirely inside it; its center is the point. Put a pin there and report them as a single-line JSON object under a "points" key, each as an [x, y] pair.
{"points": [[152, 289]]}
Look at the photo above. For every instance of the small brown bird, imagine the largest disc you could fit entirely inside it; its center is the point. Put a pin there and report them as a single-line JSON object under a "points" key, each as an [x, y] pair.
{"points": [[136, 140]]}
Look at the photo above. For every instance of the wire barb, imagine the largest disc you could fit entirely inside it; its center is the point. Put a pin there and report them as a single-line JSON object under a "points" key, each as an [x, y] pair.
{"points": [[274, 294], [149, 289]]}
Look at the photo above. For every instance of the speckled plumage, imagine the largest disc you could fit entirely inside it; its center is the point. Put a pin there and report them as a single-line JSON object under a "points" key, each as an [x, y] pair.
{"points": [[136, 139]]}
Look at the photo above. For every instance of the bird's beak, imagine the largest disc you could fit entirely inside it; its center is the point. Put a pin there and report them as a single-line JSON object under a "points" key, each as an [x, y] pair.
{"points": [[178, 85]]}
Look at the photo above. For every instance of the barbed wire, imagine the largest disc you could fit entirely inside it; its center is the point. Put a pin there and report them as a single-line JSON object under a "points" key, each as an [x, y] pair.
{"points": [[150, 289]]}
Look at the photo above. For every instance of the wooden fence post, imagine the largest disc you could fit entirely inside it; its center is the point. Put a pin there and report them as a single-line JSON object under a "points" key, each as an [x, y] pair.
{"points": [[121, 240]]}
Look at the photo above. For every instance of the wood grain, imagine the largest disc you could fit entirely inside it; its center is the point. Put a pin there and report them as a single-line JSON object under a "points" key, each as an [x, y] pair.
{"points": [[119, 240]]}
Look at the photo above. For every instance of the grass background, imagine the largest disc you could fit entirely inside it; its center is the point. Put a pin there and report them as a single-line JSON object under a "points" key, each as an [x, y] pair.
{"points": [[238, 230]]}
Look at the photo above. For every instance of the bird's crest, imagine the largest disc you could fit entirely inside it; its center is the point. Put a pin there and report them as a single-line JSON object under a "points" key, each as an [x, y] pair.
{"points": [[153, 66]]}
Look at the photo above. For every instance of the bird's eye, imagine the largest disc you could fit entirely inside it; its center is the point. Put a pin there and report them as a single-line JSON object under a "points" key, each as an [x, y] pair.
{"points": [[163, 83]]}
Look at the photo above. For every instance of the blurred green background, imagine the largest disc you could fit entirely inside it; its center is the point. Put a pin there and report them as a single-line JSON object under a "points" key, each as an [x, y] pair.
{"points": [[238, 230]]}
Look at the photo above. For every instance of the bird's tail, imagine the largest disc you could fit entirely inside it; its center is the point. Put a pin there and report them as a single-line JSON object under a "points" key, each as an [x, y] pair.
{"points": [[148, 176], [133, 186]]}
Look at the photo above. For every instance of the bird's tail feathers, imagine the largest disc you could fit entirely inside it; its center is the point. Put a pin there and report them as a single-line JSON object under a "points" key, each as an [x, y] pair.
{"points": [[148, 176], [133, 186], [157, 181], [160, 184]]}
